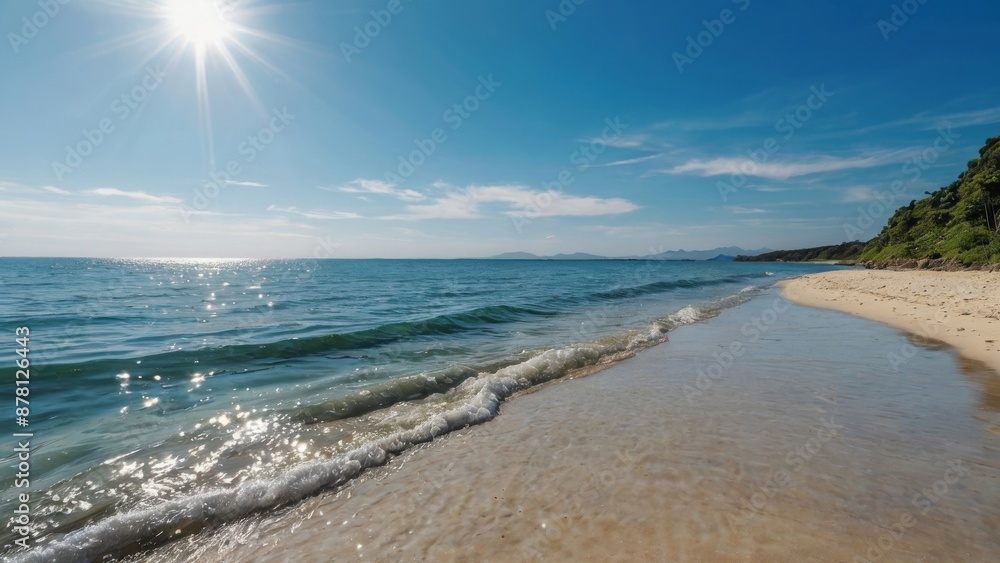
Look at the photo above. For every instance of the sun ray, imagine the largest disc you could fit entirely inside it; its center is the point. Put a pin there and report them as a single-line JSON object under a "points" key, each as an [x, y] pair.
{"points": [[205, 32], [241, 77], [204, 103], [258, 59], [134, 39]]}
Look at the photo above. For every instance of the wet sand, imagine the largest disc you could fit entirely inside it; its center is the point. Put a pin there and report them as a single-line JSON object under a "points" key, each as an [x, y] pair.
{"points": [[960, 308], [770, 433]]}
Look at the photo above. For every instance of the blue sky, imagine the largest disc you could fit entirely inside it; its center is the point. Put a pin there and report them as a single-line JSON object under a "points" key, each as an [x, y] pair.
{"points": [[470, 128]]}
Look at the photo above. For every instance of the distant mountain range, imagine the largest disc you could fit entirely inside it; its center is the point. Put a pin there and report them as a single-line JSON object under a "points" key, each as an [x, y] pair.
{"points": [[706, 254], [725, 254]]}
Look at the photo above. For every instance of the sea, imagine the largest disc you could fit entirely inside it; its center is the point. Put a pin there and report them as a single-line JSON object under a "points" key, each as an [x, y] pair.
{"points": [[167, 396]]}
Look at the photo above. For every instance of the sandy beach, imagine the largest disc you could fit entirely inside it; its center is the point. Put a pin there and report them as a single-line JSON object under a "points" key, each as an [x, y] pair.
{"points": [[959, 308]]}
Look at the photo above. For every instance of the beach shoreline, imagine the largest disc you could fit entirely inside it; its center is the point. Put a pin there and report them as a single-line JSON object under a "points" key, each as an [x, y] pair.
{"points": [[806, 445], [961, 309]]}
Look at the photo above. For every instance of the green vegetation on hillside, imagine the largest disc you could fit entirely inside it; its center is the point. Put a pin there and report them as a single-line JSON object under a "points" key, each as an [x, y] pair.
{"points": [[957, 222], [845, 251]]}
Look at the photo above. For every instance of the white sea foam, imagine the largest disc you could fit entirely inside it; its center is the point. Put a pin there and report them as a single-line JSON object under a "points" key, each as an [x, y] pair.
{"points": [[687, 315]]}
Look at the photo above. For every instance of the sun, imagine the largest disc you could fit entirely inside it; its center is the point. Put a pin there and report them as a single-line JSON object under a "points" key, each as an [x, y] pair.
{"points": [[214, 35], [205, 27], [201, 23]]}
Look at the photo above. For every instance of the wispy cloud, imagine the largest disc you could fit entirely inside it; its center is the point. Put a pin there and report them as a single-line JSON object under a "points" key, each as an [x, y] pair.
{"points": [[715, 123], [312, 214], [965, 119], [859, 194], [467, 204], [14, 187], [412, 233], [782, 170], [245, 184], [739, 210], [453, 206], [140, 196], [927, 121], [635, 141], [56, 190], [619, 230], [378, 187], [625, 162]]}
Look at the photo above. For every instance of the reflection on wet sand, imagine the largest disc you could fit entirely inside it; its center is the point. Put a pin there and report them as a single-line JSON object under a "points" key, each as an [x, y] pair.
{"points": [[985, 379], [810, 445]]}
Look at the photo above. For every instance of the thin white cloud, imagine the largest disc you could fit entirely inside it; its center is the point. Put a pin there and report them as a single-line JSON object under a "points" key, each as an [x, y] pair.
{"points": [[141, 196], [859, 194], [619, 230], [966, 119], [519, 200], [715, 124], [863, 194], [56, 190], [378, 187], [928, 121], [781, 170], [739, 210], [412, 233], [625, 162], [326, 215], [59, 225], [14, 187], [620, 141], [625, 141], [245, 184], [453, 206]]}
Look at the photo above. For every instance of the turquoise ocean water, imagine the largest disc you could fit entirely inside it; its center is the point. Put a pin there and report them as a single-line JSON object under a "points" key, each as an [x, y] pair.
{"points": [[170, 395]]}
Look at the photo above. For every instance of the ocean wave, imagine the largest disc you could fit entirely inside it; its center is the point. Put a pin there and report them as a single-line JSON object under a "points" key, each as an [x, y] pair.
{"points": [[298, 347], [221, 357], [385, 394], [665, 286]]}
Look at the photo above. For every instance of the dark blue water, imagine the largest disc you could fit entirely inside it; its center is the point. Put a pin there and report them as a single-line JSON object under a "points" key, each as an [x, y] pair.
{"points": [[155, 381]]}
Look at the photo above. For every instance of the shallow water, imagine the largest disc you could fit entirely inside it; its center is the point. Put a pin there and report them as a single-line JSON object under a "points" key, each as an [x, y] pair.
{"points": [[808, 446], [169, 395]]}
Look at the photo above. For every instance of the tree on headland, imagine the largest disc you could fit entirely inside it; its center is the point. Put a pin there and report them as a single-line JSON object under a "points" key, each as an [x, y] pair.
{"points": [[958, 222]]}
